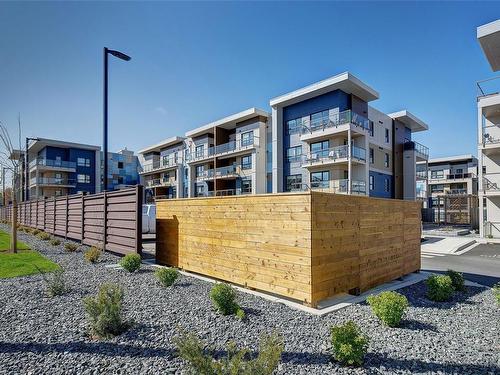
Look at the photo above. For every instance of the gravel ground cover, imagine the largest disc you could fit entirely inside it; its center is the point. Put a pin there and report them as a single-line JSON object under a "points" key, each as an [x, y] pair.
{"points": [[41, 335]]}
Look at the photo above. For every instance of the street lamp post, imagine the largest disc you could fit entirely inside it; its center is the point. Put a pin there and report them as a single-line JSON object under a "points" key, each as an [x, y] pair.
{"points": [[124, 57]]}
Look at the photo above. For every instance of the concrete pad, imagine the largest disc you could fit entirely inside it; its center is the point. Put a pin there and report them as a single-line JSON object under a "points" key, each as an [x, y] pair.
{"points": [[446, 245]]}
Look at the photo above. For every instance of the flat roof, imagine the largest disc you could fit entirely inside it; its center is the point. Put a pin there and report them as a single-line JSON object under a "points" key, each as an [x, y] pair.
{"points": [[40, 143], [165, 143], [228, 122], [346, 82], [450, 159], [489, 38], [410, 120]]}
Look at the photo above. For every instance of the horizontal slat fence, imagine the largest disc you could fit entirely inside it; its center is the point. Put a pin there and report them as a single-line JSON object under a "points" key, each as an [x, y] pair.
{"points": [[110, 220], [306, 246]]}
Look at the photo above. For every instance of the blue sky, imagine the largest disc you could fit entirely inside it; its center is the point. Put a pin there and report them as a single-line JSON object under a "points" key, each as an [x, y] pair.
{"points": [[193, 63]]}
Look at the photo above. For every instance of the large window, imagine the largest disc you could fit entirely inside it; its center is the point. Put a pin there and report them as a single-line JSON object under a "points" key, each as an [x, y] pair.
{"points": [[294, 182], [246, 162], [372, 156], [83, 178], [247, 138], [386, 160], [319, 119], [320, 179], [386, 185], [294, 126], [199, 170], [83, 162], [200, 190], [246, 186], [320, 148], [200, 150], [372, 182], [437, 174], [120, 165], [294, 153], [437, 188]]}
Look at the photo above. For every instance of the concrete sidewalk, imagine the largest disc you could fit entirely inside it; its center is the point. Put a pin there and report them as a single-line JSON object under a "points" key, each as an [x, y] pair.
{"points": [[441, 246]]}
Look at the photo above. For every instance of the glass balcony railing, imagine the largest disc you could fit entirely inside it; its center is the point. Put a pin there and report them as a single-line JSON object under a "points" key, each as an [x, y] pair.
{"points": [[51, 181], [421, 150], [224, 148], [460, 176], [335, 120], [229, 171], [52, 163], [335, 153], [166, 162]]}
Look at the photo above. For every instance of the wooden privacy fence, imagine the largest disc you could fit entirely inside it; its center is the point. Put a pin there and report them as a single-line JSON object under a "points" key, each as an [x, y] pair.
{"points": [[110, 220], [306, 246]]}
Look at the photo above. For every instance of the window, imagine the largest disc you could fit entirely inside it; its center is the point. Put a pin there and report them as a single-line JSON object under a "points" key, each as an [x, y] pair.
{"points": [[200, 150], [386, 160], [459, 171], [372, 183], [199, 171], [120, 165], [83, 178], [293, 126], [320, 148], [83, 162], [437, 174], [386, 135], [371, 129], [246, 186], [294, 153], [386, 185], [247, 138], [372, 156], [58, 161], [320, 179], [319, 119], [437, 188], [294, 182], [246, 162], [120, 180], [200, 190]]}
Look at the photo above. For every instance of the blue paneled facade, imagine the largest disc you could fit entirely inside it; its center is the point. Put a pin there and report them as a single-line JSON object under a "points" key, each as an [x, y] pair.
{"points": [[380, 185], [122, 169]]}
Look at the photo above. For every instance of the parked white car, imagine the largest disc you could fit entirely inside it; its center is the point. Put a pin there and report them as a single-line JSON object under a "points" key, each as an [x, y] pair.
{"points": [[148, 218]]}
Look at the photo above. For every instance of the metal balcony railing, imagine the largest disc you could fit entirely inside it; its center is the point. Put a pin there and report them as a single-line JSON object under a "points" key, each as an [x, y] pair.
{"points": [[334, 153], [340, 186], [165, 162], [51, 181], [233, 146], [52, 163], [490, 86], [456, 191], [460, 176], [232, 170], [341, 118]]}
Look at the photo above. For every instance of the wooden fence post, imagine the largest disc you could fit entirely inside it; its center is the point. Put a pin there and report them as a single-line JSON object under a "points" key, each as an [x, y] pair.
{"points": [[54, 223], [67, 219], [83, 216], [138, 219], [105, 220]]}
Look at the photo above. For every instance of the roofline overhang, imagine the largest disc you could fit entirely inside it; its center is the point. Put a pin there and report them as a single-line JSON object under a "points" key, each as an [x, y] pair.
{"points": [[161, 145], [346, 82], [449, 159], [409, 120], [488, 36], [40, 143]]}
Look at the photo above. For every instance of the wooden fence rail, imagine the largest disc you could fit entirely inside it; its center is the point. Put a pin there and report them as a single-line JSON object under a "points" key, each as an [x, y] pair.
{"points": [[110, 220], [306, 246]]}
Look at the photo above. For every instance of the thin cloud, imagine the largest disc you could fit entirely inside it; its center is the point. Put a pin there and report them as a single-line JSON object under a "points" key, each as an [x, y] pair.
{"points": [[161, 110]]}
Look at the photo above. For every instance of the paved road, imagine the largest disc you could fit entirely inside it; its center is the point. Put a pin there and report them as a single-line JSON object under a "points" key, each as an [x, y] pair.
{"points": [[481, 264]]}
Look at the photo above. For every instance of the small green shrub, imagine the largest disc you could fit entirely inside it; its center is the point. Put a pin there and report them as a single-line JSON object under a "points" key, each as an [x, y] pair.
{"points": [[55, 284], [93, 254], [131, 262], [237, 361], [71, 247], [35, 231], [389, 307], [223, 297], [43, 236], [105, 311], [167, 276], [439, 288], [496, 292], [55, 241], [457, 280], [349, 345]]}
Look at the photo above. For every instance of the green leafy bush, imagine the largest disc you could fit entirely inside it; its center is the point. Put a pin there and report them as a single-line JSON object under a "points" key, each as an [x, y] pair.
{"points": [[105, 311], [496, 292], [93, 254], [55, 241], [131, 262], [237, 361], [43, 236], [56, 286], [167, 276], [457, 280], [349, 345], [71, 247], [35, 231], [439, 288], [389, 307], [223, 297]]}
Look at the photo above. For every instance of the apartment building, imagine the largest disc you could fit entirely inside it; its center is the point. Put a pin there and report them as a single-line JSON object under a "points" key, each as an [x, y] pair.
{"points": [[327, 136], [224, 157], [61, 168], [488, 126]]}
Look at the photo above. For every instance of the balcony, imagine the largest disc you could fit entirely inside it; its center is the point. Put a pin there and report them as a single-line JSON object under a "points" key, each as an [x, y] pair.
{"points": [[333, 155], [421, 151], [165, 181], [456, 191], [491, 184], [165, 164], [460, 176], [333, 186], [52, 181], [422, 175], [48, 164], [222, 172], [229, 148], [336, 123], [491, 139]]}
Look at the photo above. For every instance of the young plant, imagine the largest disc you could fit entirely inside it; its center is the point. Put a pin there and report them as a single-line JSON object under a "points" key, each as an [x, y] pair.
{"points": [[55, 241], [457, 280], [71, 247], [389, 307], [131, 262], [56, 286], [223, 297], [439, 288], [105, 311], [349, 345], [43, 236], [93, 254], [167, 276], [237, 361], [496, 292], [35, 231]]}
